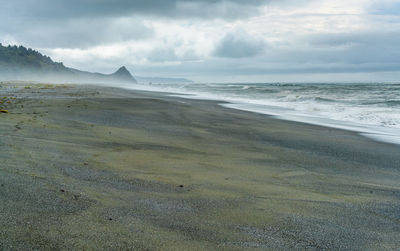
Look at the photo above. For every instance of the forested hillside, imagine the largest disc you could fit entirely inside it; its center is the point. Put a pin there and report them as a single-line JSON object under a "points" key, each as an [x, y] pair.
{"points": [[20, 63], [19, 58]]}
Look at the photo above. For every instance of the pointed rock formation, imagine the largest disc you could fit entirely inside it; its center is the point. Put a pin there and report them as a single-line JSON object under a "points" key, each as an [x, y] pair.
{"points": [[123, 74]]}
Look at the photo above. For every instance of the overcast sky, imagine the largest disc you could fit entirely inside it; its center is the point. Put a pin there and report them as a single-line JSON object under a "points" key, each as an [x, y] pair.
{"points": [[214, 40]]}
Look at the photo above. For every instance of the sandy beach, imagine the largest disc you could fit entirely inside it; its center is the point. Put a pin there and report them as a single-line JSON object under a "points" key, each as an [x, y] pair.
{"points": [[89, 168]]}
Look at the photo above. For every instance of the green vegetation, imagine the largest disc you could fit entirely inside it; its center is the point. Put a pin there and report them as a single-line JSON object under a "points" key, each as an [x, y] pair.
{"points": [[20, 63], [15, 58]]}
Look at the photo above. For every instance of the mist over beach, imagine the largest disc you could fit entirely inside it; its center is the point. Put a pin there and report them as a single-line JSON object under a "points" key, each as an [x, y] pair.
{"points": [[200, 125]]}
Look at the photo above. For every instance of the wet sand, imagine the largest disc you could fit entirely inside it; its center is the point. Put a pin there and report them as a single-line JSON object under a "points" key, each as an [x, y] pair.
{"points": [[86, 167]]}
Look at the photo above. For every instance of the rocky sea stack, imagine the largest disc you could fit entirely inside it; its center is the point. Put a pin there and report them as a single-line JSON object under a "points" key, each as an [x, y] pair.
{"points": [[123, 74]]}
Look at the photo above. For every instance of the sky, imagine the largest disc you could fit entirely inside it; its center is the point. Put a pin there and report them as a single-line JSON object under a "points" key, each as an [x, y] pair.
{"points": [[214, 40]]}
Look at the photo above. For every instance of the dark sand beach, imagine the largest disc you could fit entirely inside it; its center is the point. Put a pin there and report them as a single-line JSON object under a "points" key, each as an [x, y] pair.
{"points": [[88, 168]]}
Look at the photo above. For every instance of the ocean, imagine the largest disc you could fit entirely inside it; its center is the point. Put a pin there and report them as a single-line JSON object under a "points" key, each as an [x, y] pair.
{"points": [[372, 109]]}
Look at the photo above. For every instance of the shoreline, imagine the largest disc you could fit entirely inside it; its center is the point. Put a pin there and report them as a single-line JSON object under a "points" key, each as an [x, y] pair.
{"points": [[378, 133], [92, 167]]}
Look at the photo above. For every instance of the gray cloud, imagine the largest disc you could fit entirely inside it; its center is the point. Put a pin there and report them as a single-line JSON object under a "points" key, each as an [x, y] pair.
{"points": [[239, 44], [164, 54], [365, 52], [102, 8], [385, 8], [79, 33], [168, 54], [323, 53], [223, 69], [85, 23], [362, 38], [354, 48]]}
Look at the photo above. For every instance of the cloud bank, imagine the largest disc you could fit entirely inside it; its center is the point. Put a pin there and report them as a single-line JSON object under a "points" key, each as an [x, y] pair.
{"points": [[213, 40]]}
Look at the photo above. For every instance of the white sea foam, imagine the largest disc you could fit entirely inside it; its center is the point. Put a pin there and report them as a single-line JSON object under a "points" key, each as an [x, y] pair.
{"points": [[371, 109]]}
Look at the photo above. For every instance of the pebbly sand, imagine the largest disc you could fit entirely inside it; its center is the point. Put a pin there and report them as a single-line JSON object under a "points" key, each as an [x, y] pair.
{"points": [[89, 167]]}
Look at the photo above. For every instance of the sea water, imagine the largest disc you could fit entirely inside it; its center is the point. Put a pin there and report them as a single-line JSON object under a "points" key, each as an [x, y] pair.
{"points": [[373, 109]]}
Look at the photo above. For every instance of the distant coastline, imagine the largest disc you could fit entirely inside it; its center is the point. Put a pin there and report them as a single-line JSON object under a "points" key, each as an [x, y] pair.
{"points": [[21, 63], [161, 80]]}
